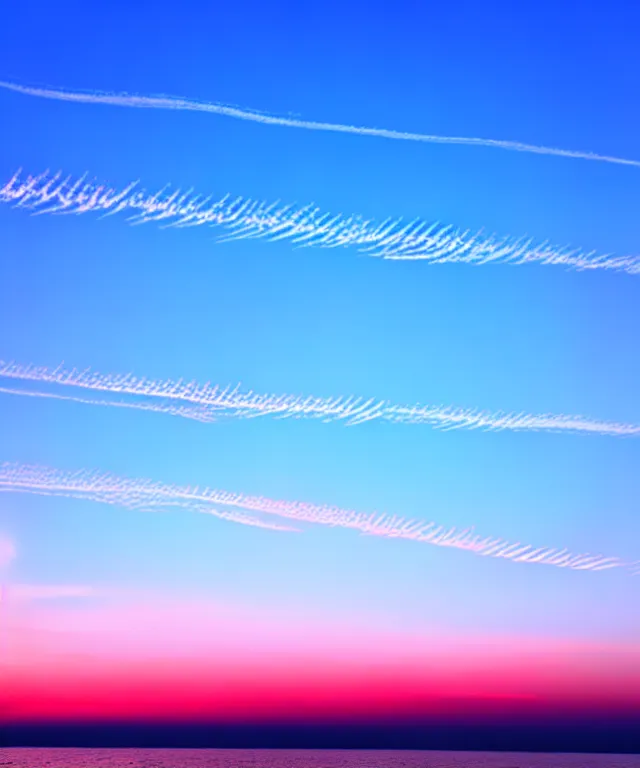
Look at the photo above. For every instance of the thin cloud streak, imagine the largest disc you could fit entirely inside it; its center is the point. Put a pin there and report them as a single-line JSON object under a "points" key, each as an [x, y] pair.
{"points": [[145, 495], [41, 482], [189, 413], [192, 105], [29, 592], [208, 403], [308, 226]]}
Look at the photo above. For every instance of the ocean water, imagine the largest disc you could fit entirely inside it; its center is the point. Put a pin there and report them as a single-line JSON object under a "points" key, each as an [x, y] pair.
{"points": [[262, 758]]}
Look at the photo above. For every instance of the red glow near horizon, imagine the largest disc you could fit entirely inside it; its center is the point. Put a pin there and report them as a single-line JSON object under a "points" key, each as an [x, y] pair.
{"points": [[158, 659], [313, 689]]}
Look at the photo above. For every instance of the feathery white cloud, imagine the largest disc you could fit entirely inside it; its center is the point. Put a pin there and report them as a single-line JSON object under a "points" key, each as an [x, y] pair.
{"points": [[145, 495], [207, 403], [242, 218]]}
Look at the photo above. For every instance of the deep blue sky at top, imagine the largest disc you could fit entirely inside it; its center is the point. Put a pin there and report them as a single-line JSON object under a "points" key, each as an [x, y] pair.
{"points": [[176, 304]]}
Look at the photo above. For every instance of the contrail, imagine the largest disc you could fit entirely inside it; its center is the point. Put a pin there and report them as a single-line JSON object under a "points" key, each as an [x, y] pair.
{"points": [[173, 410], [207, 403], [43, 482], [147, 495], [243, 218], [192, 105]]}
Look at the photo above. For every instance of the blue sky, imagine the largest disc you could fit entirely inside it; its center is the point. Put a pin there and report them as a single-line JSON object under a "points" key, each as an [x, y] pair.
{"points": [[172, 303]]}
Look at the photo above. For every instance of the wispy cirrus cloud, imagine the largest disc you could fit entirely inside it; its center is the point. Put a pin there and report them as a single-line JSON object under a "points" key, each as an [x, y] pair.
{"points": [[145, 495], [207, 403], [173, 410], [193, 105], [42, 481], [243, 218]]}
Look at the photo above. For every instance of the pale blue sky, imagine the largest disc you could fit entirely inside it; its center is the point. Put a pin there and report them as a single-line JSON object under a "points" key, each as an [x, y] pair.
{"points": [[170, 304]]}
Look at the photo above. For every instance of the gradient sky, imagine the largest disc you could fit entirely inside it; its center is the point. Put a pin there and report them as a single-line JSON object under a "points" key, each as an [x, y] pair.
{"points": [[176, 304]]}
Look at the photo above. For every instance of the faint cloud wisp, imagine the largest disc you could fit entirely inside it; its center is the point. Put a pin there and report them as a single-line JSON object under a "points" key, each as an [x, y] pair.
{"points": [[7, 551]]}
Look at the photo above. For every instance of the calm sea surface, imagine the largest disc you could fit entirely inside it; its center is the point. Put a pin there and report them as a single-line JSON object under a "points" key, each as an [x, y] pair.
{"points": [[257, 758]]}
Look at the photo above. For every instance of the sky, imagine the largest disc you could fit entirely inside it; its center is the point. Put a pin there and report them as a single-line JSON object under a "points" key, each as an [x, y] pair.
{"points": [[117, 609]]}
